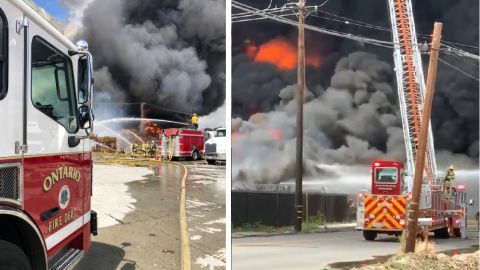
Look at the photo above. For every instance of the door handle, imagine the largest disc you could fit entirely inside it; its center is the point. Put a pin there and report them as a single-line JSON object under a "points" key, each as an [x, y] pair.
{"points": [[49, 213]]}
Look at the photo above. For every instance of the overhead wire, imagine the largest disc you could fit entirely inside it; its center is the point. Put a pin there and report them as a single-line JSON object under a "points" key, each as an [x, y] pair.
{"points": [[461, 59], [458, 69], [271, 13], [274, 17]]}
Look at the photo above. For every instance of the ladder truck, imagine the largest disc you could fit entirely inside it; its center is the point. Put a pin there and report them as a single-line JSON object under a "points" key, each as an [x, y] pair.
{"points": [[384, 209], [46, 82]]}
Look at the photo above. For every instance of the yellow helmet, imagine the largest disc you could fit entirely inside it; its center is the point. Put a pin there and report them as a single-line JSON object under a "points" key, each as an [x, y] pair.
{"points": [[451, 167]]}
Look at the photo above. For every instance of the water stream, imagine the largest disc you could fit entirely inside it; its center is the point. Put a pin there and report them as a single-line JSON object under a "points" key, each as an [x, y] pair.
{"points": [[130, 119]]}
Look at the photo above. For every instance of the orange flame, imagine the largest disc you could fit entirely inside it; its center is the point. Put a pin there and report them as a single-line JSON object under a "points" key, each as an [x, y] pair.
{"points": [[279, 52], [235, 134], [277, 135]]}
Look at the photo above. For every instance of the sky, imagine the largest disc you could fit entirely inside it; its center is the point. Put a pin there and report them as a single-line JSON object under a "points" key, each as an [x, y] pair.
{"points": [[54, 8]]}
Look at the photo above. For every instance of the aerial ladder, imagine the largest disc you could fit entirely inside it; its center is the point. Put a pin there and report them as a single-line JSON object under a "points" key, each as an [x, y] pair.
{"points": [[384, 209], [411, 88], [411, 92]]}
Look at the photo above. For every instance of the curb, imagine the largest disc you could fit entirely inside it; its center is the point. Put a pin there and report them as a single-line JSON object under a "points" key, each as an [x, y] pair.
{"points": [[270, 234]]}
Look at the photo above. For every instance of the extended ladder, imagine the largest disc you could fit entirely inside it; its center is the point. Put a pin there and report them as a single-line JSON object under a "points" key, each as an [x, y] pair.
{"points": [[411, 85]]}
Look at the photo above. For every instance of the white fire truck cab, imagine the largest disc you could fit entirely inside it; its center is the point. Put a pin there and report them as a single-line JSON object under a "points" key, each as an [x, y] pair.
{"points": [[216, 147], [45, 158]]}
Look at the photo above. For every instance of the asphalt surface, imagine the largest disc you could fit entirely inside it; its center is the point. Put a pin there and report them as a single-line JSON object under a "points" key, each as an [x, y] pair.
{"points": [[345, 250], [205, 205], [140, 228]]}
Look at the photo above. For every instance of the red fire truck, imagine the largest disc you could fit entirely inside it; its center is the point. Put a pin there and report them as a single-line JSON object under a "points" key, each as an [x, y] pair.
{"points": [[45, 159], [442, 207], [384, 209], [182, 143]]}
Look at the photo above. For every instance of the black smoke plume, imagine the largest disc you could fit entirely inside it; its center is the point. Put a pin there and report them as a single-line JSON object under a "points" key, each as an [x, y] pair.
{"points": [[170, 54]]}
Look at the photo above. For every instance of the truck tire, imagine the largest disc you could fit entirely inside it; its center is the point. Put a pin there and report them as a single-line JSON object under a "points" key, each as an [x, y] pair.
{"points": [[457, 233], [369, 235], [441, 233], [195, 155], [211, 161], [13, 258]]}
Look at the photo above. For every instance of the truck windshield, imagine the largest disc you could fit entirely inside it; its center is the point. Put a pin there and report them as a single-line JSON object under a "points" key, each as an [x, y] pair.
{"points": [[221, 133], [386, 175]]}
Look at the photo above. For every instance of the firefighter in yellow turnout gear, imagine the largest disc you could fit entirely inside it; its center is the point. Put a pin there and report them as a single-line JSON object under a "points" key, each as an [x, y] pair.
{"points": [[194, 121], [448, 181], [134, 150]]}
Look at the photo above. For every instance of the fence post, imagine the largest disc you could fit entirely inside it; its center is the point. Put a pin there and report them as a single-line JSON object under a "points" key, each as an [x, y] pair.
{"points": [[306, 208], [276, 211]]}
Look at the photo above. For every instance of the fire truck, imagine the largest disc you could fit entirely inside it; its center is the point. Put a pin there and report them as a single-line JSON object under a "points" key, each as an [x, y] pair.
{"points": [[216, 147], [181, 143], [384, 209], [46, 82]]}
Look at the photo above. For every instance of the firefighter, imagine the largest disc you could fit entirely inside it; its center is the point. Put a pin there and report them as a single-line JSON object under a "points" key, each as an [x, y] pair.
{"points": [[194, 121], [152, 149], [134, 148], [145, 149], [448, 181]]}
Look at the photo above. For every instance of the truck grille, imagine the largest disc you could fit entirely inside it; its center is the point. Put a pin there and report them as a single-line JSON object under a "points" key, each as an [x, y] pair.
{"points": [[210, 148], [9, 184]]}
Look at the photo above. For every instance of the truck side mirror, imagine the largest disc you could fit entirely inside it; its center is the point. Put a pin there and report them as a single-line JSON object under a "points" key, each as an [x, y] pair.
{"points": [[83, 79], [86, 118]]}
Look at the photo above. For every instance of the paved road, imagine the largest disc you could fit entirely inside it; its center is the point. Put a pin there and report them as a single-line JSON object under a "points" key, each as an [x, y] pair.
{"points": [[205, 205], [139, 217], [317, 251]]}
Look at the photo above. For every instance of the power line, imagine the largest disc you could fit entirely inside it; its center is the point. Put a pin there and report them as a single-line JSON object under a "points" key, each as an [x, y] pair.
{"points": [[254, 17], [459, 52], [249, 14], [355, 22], [460, 44], [350, 21], [458, 69], [461, 59], [277, 18], [345, 20], [280, 18]]}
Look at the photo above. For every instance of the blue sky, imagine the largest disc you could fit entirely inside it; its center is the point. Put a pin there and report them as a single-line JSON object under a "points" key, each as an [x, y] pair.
{"points": [[54, 8]]}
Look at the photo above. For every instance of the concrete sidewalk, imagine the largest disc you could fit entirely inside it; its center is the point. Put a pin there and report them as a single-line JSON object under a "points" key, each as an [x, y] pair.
{"points": [[333, 227]]}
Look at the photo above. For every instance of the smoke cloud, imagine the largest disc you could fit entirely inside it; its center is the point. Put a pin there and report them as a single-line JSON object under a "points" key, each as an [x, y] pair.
{"points": [[167, 53], [354, 121]]}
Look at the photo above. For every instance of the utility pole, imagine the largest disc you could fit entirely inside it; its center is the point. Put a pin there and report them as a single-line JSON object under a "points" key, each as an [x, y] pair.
{"points": [[301, 86], [413, 210]]}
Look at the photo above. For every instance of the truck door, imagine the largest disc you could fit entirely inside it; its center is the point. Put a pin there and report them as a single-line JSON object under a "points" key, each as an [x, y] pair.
{"points": [[11, 96], [54, 175]]}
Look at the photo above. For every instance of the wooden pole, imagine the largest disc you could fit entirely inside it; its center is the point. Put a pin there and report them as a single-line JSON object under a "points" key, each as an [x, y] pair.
{"points": [[413, 210], [301, 86]]}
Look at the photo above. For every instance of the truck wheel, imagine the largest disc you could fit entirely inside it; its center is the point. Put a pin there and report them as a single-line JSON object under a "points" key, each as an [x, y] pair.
{"points": [[457, 233], [195, 155], [441, 233], [369, 235], [211, 161], [13, 258]]}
